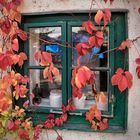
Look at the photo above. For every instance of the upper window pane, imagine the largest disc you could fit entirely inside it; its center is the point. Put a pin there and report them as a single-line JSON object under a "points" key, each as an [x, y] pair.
{"points": [[38, 36], [96, 58]]}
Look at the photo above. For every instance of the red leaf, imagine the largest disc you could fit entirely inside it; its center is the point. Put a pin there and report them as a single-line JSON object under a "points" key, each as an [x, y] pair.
{"points": [[122, 83], [50, 116], [5, 60], [122, 79], [15, 45], [6, 26], [97, 40], [64, 117], [10, 125], [58, 121], [111, 1], [59, 138], [125, 44], [83, 75], [103, 124], [37, 55], [99, 16], [107, 16], [83, 48], [26, 104], [23, 134], [105, 1], [139, 10], [47, 56], [89, 26], [22, 34], [49, 124], [137, 61], [138, 71]]}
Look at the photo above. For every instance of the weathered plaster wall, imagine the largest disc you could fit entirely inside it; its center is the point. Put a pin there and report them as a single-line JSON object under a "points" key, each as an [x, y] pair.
{"points": [[49, 6]]}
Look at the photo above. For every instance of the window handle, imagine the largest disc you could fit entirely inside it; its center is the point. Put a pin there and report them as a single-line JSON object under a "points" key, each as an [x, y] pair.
{"points": [[112, 99], [55, 111]]}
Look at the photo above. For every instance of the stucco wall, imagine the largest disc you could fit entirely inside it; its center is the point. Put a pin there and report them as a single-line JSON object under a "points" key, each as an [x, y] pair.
{"points": [[49, 6]]}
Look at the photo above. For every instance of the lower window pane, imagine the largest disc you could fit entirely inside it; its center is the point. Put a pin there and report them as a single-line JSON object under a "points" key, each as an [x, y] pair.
{"points": [[89, 92], [47, 94]]}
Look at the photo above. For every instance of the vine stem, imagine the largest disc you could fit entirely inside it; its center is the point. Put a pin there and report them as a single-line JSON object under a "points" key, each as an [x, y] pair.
{"points": [[108, 50], [90, 11], [50, 42]]}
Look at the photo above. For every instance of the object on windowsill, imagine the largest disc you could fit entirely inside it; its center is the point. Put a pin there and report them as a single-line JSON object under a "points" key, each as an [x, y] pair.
{"points": [[79, 103], [56, 98], [37, 92]]}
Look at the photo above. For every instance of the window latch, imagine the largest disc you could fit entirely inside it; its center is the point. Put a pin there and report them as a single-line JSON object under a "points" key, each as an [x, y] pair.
{"points": [[112, 99]]}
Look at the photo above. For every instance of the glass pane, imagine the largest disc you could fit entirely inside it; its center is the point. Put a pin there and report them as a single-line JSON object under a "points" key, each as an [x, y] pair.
{"points": [[101, 85], [38, 36], [47, 94], [96, 58]]}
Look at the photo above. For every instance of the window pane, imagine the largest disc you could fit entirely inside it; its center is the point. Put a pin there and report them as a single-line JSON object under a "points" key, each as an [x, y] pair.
{"points": [[47, 94], [38, 36], [96, 58], [89, 94]]}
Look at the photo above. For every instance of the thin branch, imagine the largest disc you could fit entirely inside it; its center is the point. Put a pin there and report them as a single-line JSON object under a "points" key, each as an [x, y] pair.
{"points": [[90, 11], [52, 42]]}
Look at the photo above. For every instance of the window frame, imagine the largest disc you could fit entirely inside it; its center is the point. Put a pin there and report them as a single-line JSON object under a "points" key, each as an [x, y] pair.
{"points": [[76, 122]]}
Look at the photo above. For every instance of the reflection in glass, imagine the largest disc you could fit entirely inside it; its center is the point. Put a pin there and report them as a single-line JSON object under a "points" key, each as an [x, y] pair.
{"points": [[38, 36], [44, 90], [96, 58]]}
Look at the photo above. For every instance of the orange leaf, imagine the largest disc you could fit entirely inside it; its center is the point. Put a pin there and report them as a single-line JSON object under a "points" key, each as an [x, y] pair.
{"points": [[103, 98], [99, 16], [55, 71], [90, 116], [22, 58], [125, 44]]}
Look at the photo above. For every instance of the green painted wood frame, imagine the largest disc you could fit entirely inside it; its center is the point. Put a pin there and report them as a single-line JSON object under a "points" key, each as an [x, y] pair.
{"points": [[117, 113]]}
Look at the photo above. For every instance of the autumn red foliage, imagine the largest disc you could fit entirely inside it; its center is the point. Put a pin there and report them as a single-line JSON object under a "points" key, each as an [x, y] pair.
{"points": [[123, 79]]}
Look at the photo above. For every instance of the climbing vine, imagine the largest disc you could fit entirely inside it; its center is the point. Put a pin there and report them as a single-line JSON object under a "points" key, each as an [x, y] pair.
{"points": [[13, 85]]}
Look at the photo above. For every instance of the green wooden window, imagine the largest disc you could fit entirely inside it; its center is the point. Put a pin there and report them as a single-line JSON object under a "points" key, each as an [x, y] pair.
{"points": [[63, 28]]}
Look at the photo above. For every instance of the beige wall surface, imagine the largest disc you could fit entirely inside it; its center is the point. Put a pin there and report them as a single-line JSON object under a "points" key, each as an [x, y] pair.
{"points": [[54, 6]]}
